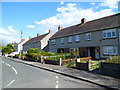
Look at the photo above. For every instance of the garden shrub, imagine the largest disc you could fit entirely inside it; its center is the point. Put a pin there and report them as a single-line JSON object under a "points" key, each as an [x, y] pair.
{"points": [[34, 56], [114, 59], [33, 50]]}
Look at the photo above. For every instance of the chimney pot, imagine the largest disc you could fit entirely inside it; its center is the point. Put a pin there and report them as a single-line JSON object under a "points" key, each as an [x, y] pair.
{"points": [[38, 35], [59, 27], [50, 31], [30, 37], [83, 20]]}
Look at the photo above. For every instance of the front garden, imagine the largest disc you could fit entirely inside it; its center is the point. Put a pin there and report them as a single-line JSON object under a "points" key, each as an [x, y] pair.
{"points": [[71, 60]]}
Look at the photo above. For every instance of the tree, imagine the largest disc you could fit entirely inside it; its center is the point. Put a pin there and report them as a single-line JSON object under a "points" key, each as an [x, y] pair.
{"points": [[7, 49], [75, 53], [1, 44]]}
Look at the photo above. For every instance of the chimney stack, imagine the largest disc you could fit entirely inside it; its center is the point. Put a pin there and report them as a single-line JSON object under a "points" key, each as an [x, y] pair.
{"points": [[50, 31], [30, 38], [38, 35], [23, 40], [59, 27], [83, 20]]}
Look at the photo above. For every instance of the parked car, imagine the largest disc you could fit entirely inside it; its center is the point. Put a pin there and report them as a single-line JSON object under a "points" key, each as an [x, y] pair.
{"points": [[13, 53]]}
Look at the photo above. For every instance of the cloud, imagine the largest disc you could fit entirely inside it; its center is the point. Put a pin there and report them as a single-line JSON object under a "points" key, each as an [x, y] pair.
{"points": [[110, 3], [62, 2], [69, 15], [92, 3], [9, 34], [30, 26]]}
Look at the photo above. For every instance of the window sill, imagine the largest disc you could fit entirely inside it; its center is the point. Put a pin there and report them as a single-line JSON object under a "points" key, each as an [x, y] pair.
{"points": [[88, 39], [109, 55], [69, 42], [77, 41], [109, 38]]}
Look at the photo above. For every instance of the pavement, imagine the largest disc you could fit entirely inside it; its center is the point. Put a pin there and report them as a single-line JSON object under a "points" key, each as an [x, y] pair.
{"points": [[101, 80]]}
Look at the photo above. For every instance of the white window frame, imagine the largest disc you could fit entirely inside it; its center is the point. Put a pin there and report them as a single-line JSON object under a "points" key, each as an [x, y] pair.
{"points": [[53, 41], [109, 50], [88, 36], [70, 39], [106, 32], [77, 38], [62, 40]]}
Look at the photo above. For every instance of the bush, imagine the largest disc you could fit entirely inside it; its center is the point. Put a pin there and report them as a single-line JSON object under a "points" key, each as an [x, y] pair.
{"points": [[69, 63], [34, 56], [114, 59], [47, 53], [33, 50], [57, 57]]}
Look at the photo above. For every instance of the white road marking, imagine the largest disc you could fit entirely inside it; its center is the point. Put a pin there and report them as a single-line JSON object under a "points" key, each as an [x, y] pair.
{"points": [[57, 82], [56, 86], [8, 64], [10, 83], [2, 61], [56, 76], [14, 70]]}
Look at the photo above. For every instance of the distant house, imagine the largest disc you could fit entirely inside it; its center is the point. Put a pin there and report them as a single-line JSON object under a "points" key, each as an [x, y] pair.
{"points": [[98, 38], [18, 47], [13, 43], [40, 42]]}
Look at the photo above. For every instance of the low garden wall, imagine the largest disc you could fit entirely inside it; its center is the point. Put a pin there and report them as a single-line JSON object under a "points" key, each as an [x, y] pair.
{"points": [[54, 62], [110, 69], [82, 66]]}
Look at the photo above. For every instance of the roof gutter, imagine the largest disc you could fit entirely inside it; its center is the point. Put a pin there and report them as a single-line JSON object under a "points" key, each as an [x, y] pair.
{"points": [[87, 31]]}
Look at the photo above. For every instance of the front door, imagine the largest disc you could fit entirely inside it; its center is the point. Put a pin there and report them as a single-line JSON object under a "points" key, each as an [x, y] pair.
{"points": [[97, 54]]}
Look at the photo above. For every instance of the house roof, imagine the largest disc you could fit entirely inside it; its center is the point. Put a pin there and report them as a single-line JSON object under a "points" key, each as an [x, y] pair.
{"points": [[98, 24], [36, 39]]}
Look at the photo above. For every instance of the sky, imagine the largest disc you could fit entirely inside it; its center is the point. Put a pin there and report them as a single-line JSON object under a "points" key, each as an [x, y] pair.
{"points": [[39, 17]]}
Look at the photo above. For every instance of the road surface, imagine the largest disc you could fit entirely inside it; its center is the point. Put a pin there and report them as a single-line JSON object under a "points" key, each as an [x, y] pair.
{"points": [[18, 75]]}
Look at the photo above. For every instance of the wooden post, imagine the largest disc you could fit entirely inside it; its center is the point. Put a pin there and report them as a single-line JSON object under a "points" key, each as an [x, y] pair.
{"points": [[88, 64], [60, 61]]}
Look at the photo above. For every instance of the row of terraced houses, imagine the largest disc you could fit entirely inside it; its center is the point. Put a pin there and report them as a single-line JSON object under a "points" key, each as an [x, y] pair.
{"points": [[98, 38]]}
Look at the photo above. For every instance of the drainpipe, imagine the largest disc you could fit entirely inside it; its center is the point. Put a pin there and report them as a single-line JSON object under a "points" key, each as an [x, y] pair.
{"points": [[118, 40]]}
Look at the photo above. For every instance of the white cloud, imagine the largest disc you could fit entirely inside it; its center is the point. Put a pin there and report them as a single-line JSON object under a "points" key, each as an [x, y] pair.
{"points": [[69, 15], [110, 3], [9, 34], [92, 3], [62, 2], [30, 26]]}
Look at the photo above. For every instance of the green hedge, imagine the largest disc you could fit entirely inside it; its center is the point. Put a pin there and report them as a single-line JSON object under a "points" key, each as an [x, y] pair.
{"points": [[114, 59], [33, 56], [57, 57]]}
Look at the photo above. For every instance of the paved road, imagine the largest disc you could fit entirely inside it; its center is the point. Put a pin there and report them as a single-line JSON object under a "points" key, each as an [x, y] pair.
{"points": [[18, 75]]}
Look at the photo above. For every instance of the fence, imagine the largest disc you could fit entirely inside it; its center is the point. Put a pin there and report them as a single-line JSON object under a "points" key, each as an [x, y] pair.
{"points": [[88, 65]]}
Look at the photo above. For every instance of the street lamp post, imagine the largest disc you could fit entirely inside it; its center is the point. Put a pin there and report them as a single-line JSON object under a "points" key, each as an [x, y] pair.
{"points": [[20, 43]]}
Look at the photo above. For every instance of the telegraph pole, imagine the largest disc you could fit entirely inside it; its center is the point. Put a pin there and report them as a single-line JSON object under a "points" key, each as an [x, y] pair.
{"points": [[20, 42]]}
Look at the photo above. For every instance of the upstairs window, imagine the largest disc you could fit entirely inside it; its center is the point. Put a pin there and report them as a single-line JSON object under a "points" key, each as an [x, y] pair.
{"points": [[109, 33], [70, 39], [62, 40], [88, 36], [53, 41], [77, 38]]}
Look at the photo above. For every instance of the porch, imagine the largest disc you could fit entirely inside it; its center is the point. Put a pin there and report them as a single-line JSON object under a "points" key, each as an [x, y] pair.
{"points": [[93, 52]]}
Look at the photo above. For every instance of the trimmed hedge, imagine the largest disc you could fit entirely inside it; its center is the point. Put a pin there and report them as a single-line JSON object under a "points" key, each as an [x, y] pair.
{"points": [[114, 59]]}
